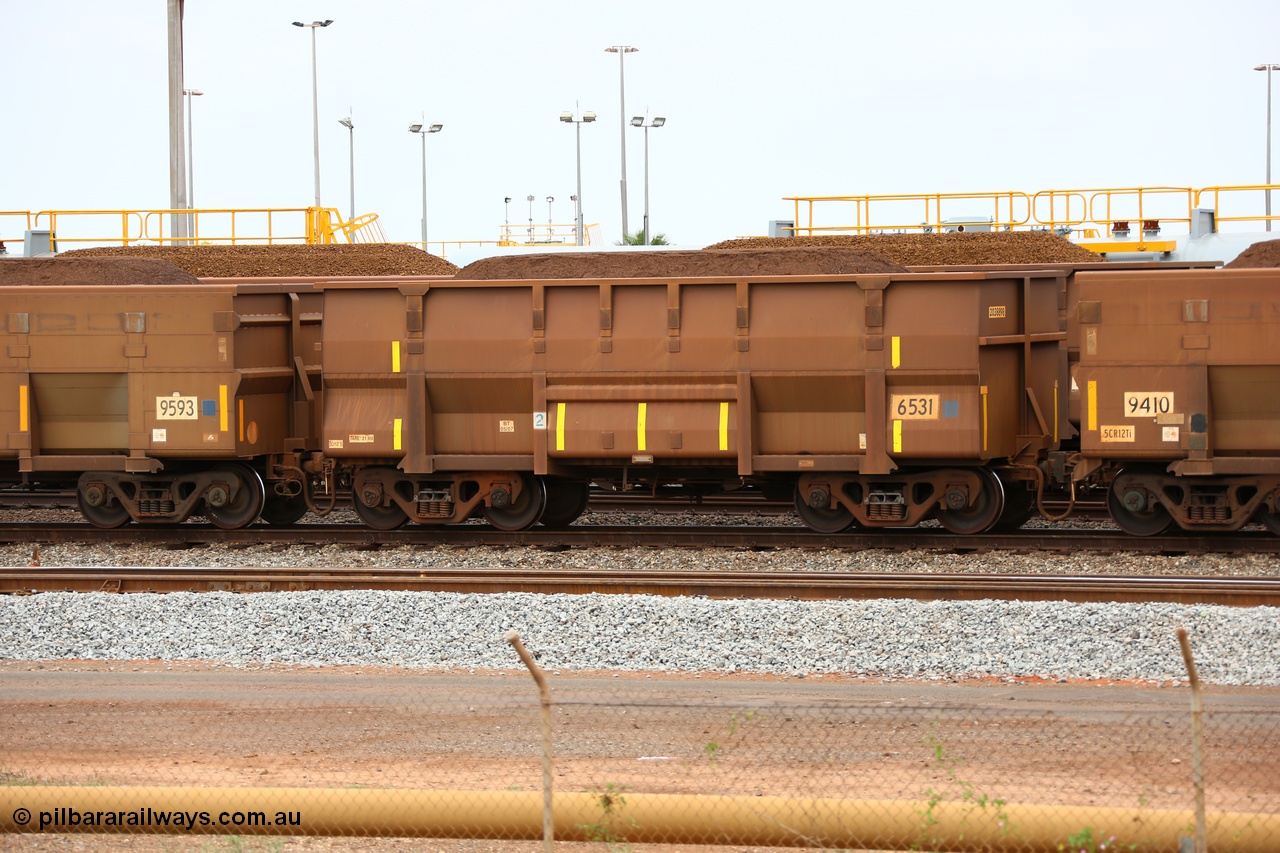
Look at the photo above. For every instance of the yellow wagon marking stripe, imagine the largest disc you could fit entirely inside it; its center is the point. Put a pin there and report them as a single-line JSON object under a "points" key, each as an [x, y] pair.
{"points": [[897, 351], [395, 434], [222, 407], [23, 408], [559, 426], [1093, 404], [897, 436], [724, 426], [641, 414], [395, 356], [240, 417]]}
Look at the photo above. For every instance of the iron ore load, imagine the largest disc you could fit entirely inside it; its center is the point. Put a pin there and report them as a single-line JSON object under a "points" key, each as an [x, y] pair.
{"points": [[870, 393]]}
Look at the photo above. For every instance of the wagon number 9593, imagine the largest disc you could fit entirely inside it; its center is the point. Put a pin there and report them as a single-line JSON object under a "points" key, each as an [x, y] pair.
{"points": [[175, 408], [1147, 404]]}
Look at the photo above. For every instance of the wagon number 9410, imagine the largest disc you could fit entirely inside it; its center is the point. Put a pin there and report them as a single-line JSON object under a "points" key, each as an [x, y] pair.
{"points": [[1147, 404], [175, 408], [922, 407]]}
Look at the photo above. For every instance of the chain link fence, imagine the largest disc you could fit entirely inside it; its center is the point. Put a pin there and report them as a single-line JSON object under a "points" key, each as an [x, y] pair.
{"points": [[211, 759]]}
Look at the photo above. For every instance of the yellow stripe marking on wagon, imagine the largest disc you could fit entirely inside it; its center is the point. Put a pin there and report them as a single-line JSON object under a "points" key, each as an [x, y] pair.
{"points": [[222, 407], [897, 436], [1055, 411], [1093, 404], [240, 417], [641, 414], [724, 426], [395, 434], [395, 356], [984, 418], [559, 426], [896, 345], [23, 409]]}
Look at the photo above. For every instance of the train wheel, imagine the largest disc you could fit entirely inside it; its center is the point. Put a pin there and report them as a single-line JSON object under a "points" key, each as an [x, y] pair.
{"points": [[389, 517], [1019, 506], [566, 501], [1135, 510], [828, 519], [525, 511], [281, 511], [230, 514], [1269, 519], [99, 507], [981, 514]]}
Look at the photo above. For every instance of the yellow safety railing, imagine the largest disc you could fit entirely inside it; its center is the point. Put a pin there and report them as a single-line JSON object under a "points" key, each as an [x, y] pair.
{"points": [[214, 226], [1083, 213]]}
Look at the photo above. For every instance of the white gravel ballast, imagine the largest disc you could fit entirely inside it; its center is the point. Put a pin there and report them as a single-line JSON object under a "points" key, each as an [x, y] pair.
{"points": [[907, 638]]}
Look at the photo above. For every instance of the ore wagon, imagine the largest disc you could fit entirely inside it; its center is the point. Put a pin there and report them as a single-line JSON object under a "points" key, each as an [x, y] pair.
{"points": [[157, 396], [877, 399]]}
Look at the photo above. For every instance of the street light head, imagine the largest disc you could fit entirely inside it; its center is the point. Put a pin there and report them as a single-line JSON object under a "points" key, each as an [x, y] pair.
{"points": [[435, 128], [507, 200], [325, 23], [637, 121], [346, 122], [529, 198], [550, 199], [299, 24], [1267, 66], [658, 121], [192, 92], [566, 117], [588, 116], [621, 48], [415, 128]]}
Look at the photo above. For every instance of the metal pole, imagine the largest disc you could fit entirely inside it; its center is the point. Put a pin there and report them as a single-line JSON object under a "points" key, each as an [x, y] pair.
{"points": [[1269, 67], [577, 128], [646, 184], [424, 191], [177, 163], [622, 115], [315, 110], [351, 139]]}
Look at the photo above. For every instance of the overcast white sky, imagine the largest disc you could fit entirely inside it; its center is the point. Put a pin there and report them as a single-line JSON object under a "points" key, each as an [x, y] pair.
{"points": [[762, 99]]}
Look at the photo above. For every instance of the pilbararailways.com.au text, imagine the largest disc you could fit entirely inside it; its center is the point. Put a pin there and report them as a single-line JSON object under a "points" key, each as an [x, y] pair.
{"points": [[70, 818]]}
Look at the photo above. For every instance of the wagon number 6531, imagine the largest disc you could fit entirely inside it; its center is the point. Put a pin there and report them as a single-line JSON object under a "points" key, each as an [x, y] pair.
{"points": [[1145, 404]]}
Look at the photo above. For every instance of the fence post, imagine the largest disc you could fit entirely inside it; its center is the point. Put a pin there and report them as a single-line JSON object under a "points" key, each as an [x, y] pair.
{"points": [[544, 693], [1197, 741]]}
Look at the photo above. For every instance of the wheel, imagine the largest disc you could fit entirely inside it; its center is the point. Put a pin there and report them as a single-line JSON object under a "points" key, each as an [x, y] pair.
{"points": [[232, 514], [1019, 507], [281, 511], [828, 519], [1135, 510], [380, 517], [1268, 519], [525, 511], [983, 511], [566, 501], [100, 508]]}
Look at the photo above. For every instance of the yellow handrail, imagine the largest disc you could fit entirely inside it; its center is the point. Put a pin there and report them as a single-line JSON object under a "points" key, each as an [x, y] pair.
{"points": [[1074, 211]]}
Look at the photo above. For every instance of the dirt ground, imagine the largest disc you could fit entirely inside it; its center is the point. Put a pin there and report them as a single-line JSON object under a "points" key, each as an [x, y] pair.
{"points": [[1071, 744], [1264, 254]]}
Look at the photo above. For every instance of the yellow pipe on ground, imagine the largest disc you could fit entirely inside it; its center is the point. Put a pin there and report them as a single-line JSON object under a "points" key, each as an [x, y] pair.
{"points": [[618, 817]]}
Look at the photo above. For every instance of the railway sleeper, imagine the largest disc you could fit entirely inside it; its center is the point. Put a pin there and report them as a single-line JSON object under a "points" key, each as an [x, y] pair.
{"points": [[1146, 502]]}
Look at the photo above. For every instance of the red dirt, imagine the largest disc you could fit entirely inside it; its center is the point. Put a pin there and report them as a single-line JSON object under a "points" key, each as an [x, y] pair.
{"points": [[1264, 254], [666, 264]]}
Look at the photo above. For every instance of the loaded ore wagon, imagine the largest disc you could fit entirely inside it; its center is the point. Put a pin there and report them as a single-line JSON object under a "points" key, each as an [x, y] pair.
{"points": [[871, 399], [157, 396]]}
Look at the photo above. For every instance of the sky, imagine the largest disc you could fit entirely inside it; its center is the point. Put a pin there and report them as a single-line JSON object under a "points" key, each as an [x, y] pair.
{"points": [[762, 100]]}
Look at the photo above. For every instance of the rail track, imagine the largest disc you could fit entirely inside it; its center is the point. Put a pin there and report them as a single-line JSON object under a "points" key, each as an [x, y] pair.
{"points": [[814, 586], [1051, 539]]}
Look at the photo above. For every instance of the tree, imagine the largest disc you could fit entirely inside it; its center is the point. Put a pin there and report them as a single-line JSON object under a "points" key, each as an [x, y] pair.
{"points": [[637, 239]]}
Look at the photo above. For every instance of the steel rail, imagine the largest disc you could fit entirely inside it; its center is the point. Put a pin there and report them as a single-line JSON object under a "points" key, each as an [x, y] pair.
{"points": [[808, 586], [1072, 540]]}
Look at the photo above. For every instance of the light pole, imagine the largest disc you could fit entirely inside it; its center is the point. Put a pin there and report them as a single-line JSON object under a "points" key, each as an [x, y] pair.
{"points": [[622, 50], [417, 128], [351, 138], [191, 168], [638, 121], [315, 96], [1268, 67], [577, 123]]}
